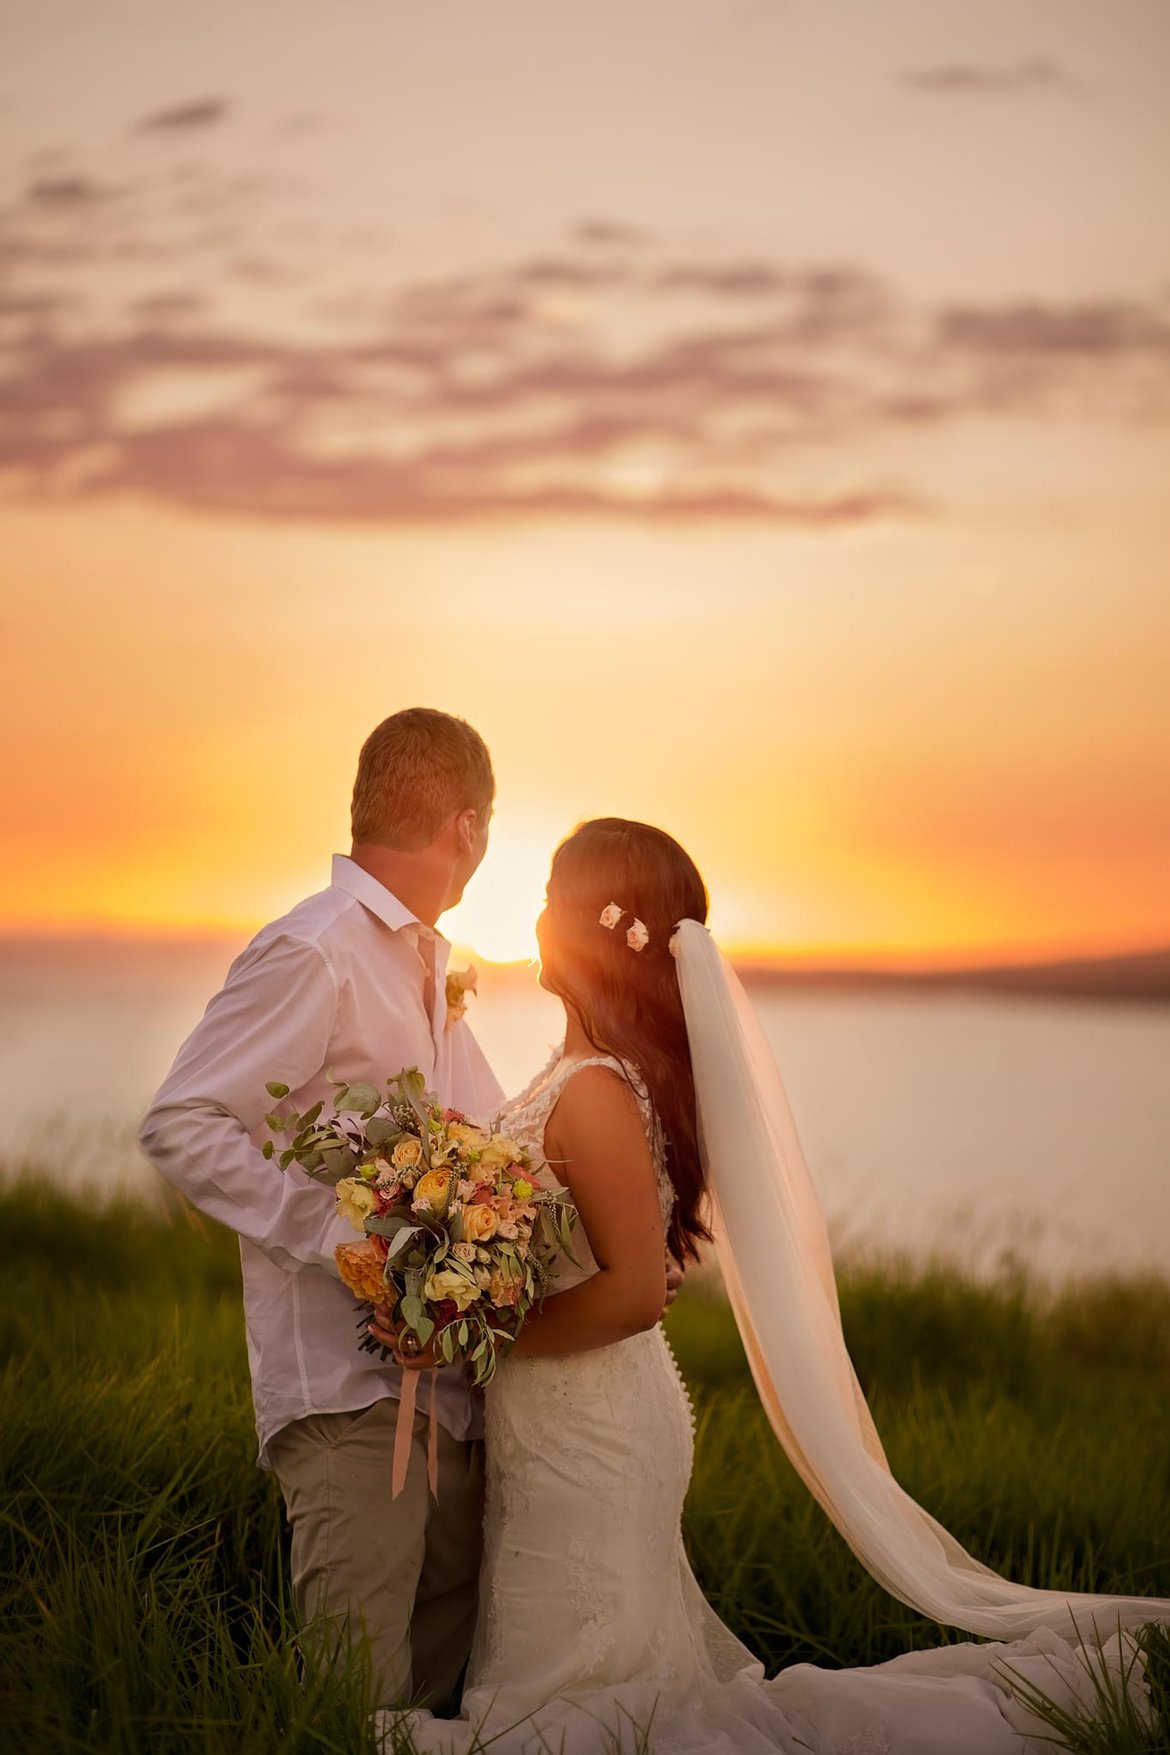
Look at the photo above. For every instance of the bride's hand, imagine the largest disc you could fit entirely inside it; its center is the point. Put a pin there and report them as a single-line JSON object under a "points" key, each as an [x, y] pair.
{"points": [[391, 1334], [384, 1328]]}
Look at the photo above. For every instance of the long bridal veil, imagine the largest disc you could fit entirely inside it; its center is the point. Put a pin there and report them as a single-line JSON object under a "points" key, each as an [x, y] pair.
{"points": [[773, 1249]]}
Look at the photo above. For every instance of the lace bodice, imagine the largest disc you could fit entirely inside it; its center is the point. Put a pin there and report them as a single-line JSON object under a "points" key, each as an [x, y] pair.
{"points": [[525, 1117]]}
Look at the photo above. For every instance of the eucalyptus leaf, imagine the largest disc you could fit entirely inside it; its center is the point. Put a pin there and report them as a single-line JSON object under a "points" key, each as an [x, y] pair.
{"points": [[276, 1089], [401, 1239], [328, 1178], [340, 1159], [361, 1096], [386, 1224], [382, 1130]]}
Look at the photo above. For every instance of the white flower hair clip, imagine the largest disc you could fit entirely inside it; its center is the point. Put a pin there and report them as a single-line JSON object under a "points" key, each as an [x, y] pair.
{"points": [[637, 937]]}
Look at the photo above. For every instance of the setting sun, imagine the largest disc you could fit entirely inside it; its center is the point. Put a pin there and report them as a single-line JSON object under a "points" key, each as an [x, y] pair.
{"points": [[497, 917]]}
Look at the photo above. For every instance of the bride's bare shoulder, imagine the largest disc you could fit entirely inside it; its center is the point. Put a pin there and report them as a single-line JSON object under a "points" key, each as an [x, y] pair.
{"points": [[596, 1112]]}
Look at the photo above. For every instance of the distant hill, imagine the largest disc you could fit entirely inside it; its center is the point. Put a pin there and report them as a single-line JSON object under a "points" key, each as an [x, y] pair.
{"points": [[34, 964], [1142, 975]]}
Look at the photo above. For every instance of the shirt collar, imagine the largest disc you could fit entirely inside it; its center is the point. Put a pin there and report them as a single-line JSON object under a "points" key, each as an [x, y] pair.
{"points": [[357, 882]]}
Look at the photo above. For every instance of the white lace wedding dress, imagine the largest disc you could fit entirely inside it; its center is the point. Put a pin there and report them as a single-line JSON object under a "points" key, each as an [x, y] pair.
{"points": [[591, 1625]]}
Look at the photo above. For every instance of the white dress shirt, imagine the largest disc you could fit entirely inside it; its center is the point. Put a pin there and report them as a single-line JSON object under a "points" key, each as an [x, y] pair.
{"points": [[335, 985]]}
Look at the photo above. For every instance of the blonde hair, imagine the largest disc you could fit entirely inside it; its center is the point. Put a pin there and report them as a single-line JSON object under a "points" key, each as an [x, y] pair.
{"points": [[415, 770]]}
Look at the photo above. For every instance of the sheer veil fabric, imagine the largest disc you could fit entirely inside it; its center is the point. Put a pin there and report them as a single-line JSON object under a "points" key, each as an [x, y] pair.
{"points": [[773, 1249]]}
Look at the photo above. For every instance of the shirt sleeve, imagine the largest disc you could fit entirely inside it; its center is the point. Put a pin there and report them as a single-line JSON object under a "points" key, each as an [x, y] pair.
{"points": [[272, 1019]]}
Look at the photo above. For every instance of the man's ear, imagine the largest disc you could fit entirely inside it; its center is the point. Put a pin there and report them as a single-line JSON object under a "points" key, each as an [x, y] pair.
{"points": [[466, 829]]}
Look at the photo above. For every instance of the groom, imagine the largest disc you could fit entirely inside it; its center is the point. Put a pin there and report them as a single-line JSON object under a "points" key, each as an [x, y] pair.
{"points": [[350, 980]]}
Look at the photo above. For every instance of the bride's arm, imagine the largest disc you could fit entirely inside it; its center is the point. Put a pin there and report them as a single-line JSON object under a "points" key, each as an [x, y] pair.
{"points": [[596, 1139]]}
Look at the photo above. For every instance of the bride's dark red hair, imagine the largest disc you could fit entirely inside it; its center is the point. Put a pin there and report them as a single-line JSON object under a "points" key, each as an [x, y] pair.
{"points": [[628, 1001]]}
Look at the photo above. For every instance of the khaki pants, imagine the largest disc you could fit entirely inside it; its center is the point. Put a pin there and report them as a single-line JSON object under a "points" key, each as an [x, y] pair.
{"points": [[407, 1569]]}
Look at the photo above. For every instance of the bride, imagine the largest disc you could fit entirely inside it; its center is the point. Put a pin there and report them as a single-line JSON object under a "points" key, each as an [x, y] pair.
{"points": [[664, 1112]]}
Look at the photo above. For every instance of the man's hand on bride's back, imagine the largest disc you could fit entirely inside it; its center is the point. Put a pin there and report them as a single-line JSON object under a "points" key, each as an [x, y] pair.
{"points": [[675, 1276]]}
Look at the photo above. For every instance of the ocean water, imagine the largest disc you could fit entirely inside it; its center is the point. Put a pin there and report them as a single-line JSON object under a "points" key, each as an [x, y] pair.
{"points": [[978, 1126]]}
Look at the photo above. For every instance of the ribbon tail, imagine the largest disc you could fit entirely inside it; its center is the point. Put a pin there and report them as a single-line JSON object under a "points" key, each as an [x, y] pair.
{"points": [[404, 1431], [433, 1437]]}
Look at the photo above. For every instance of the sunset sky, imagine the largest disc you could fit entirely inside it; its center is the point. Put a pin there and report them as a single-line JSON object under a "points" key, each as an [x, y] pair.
{"points": [[753, 415]]}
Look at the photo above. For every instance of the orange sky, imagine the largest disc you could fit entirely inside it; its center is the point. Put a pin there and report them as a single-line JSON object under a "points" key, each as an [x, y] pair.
{"points": [[760, 428]]}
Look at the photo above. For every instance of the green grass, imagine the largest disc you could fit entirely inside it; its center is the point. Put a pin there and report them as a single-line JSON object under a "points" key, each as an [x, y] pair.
{"points": [[143, 1601]]}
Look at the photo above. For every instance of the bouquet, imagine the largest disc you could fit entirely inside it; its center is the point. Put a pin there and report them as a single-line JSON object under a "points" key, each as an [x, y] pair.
{"points": [[456, 1237]]}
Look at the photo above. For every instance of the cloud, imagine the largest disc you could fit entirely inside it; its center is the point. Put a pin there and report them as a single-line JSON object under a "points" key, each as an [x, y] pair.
{"points": [[67, 192], [66, 220], [980, 78], [162, 306], [607, 232], [614, 442], [224, 466], [554, 385], [566, 274], [1093, 330], [35, 306], [187, 118]]}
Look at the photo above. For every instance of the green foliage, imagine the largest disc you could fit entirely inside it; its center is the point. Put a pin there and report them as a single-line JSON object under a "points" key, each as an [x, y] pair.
{"points": [[143, 1596]]}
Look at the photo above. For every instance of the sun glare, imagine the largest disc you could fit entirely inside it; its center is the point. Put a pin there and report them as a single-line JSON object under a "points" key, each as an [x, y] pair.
{"points": [[497, 918]]}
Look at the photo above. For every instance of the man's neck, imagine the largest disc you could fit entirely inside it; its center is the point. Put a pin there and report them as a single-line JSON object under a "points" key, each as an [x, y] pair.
{"points": [[419, 883]]}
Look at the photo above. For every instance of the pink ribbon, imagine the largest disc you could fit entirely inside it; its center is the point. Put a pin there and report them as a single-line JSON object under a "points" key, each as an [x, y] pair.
{"points": [[404, 1433]]}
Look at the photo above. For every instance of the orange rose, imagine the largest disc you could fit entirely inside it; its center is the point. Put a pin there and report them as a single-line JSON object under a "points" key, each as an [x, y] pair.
{"points": [[360, 1266]]}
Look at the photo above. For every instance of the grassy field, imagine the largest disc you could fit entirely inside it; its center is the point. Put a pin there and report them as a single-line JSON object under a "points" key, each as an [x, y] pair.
{"points": [[144, 1597]]}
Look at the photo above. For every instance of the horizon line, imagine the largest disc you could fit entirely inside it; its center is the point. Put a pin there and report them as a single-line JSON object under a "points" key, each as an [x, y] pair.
{"points": [[748, 958]]}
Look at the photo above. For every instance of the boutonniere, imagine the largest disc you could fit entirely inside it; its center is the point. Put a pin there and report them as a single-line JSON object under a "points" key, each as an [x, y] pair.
{"points": [[460, 982]]}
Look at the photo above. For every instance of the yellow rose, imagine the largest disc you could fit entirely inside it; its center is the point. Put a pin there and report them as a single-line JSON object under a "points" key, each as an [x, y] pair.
{"points": [[472, 1138], [447, 1283], [479, 1223], [499, 1152], [355, 1199], [432, 1192], [521, 1189], [407, 1153]]}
